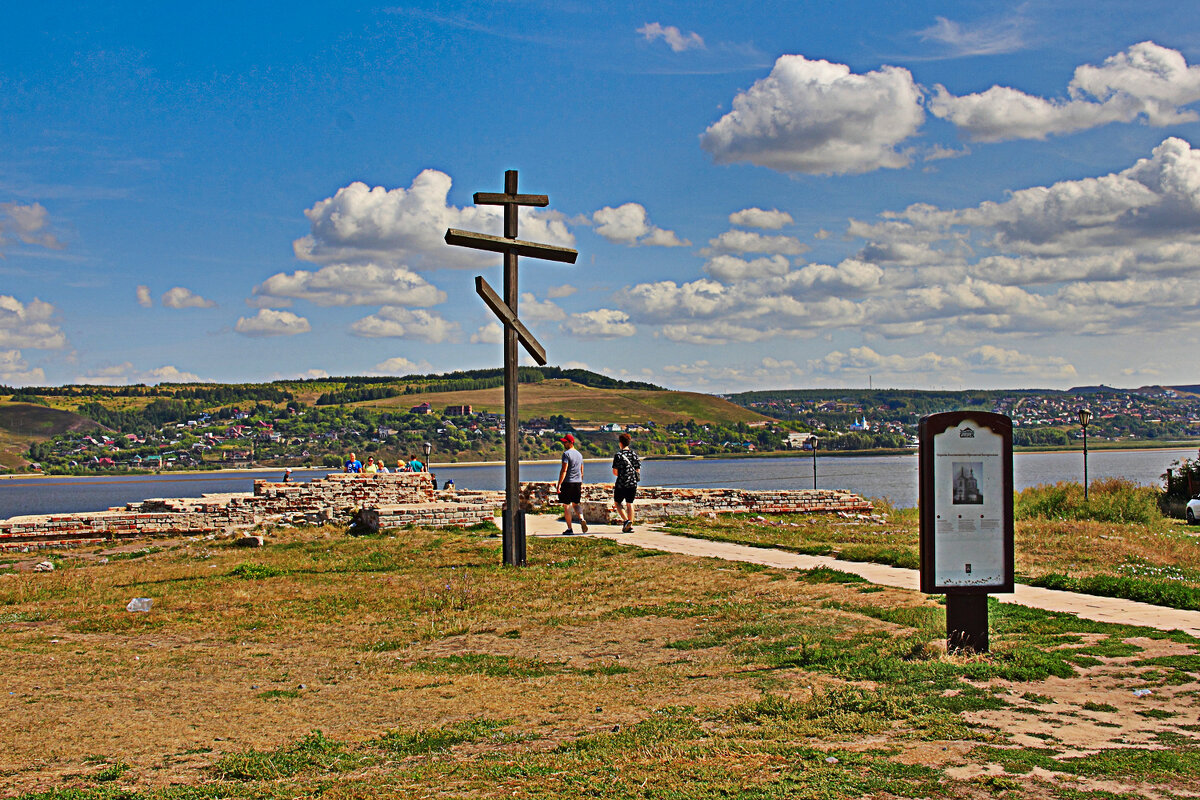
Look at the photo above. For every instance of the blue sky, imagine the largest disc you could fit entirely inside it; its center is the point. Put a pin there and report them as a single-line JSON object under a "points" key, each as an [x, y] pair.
{"points": [[767, 195]]}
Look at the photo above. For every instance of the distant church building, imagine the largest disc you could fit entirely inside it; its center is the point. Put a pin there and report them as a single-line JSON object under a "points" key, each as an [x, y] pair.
{"points": [[966, 488]]}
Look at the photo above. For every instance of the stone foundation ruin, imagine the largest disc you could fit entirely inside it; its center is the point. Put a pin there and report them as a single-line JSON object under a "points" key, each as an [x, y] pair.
{"points": [[377, 502]]}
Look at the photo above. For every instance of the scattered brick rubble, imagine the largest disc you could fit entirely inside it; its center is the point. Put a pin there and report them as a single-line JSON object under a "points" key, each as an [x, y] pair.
{"points": [[377, 502]]}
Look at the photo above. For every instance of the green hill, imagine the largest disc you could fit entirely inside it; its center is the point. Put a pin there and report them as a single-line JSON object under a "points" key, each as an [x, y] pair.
{"points": [[22, 424]]}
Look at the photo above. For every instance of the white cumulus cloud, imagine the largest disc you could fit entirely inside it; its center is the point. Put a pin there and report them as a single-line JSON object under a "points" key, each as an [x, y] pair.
{"points": [[408, 226], [29, 325], [676, 39], [491, 333], [628, 224], [534, 310], [15, 371], [179, 297], [603, 323], [143, 297], [759, 218], [400, 366], [125, 374], [29, 224], [406, 323], [819, 118], [268, 322], [731, 268], [752, 242], [348, 285], [1146, 81]]}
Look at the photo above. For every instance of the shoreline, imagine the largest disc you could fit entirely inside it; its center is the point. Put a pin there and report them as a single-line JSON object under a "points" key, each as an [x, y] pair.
{"points": [[534, 461]]}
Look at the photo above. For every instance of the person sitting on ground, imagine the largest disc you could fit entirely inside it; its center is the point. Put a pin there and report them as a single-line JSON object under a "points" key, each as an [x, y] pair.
{"points": [[433, 478], [570, 483], [353, 464], [415, 465], [627, 467], [402, 466], [371, 466], [449, 487], [287, 476], [383, 469]]}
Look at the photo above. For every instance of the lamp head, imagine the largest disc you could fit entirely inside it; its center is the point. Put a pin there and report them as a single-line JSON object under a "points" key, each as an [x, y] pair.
{"points": [[1085, 415]]}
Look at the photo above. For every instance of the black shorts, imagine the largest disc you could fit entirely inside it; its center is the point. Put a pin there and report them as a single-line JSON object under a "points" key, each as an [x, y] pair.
{"points": [[624, 494], [570, 492]]}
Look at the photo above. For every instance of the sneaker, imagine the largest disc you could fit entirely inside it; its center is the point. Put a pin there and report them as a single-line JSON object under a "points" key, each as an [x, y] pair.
{"points": [[583, 526], [568, 532], [627, 527]]}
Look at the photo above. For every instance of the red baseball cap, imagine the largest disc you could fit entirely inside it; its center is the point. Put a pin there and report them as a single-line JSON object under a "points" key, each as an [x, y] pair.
{"points": [[568, 439]]}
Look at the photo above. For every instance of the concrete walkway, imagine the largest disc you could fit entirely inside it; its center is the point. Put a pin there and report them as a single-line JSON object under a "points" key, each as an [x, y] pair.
{"points": [[1100, 609]]}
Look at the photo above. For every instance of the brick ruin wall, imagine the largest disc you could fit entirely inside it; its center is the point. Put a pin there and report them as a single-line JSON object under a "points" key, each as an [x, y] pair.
{"points": [[384, 501]]}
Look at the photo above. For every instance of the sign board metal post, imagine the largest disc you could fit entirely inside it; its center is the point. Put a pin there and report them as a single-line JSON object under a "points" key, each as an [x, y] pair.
{"points": [[966, 511], [514, 331]]}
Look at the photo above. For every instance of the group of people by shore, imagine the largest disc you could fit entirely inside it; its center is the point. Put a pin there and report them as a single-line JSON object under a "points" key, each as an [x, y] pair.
{"points": [[373, 467], [627, 473]]}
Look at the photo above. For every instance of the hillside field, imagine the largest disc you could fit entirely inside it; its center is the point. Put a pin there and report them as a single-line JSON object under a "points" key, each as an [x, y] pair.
{"points": [[585, 405]]}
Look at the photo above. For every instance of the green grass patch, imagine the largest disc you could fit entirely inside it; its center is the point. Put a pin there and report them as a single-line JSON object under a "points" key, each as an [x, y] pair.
{"points": [[437, 740], [492, 666], [314, 753], [111, 773], [828, 575], [135, 554], [1143, 590], [256, 571]]}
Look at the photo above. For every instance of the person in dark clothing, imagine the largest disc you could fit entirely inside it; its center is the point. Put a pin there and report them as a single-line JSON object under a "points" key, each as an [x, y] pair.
{"points": [[627, 468]]}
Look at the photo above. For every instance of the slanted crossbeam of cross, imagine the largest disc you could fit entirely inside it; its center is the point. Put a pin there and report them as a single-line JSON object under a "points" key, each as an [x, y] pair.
{"points": [[514, 331]]}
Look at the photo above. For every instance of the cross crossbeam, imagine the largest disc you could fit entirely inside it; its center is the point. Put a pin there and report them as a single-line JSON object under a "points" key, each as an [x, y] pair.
{"points": [[500, 244], [507, 316]]}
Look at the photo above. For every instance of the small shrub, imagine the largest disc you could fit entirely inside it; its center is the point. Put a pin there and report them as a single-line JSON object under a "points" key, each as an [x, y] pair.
{"points": [[112, 772], [1111, 500]]}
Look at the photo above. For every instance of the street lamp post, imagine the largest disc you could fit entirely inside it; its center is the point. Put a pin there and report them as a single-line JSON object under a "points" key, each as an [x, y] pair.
{"points": [[812, 443], [1085, 416], [428, 448]]}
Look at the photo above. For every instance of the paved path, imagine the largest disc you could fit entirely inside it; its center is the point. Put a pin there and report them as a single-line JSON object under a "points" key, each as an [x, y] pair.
{"points": [[1100, 609]]}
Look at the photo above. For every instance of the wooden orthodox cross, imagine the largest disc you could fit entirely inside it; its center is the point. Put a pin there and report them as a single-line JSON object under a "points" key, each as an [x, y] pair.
{"points": [[514, 331]]}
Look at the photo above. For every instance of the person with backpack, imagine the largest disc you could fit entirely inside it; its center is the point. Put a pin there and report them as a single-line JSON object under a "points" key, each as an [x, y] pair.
{"points": [[627, 468]]}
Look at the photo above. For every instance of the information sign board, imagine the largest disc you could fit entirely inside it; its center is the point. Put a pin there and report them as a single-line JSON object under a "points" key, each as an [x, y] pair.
{"points": [[966, 503]]}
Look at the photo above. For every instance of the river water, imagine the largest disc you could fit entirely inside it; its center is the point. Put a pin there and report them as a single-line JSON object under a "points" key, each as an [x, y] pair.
{"points": [[891, 477]]}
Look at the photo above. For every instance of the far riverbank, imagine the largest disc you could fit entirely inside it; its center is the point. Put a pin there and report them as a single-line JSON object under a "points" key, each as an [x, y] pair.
{"points": [[1130, 447], [893, 477]]}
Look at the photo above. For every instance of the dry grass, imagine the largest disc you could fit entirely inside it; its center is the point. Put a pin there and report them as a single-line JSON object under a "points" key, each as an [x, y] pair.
{"points": [[599, 670]]}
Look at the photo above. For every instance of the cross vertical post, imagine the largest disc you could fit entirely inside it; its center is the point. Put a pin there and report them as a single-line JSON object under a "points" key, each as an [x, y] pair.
{"points": [[514, 331], [514, 540]]}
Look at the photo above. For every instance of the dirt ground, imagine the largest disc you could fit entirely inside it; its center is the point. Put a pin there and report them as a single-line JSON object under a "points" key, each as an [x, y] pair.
{"points": [[170, 699]]}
